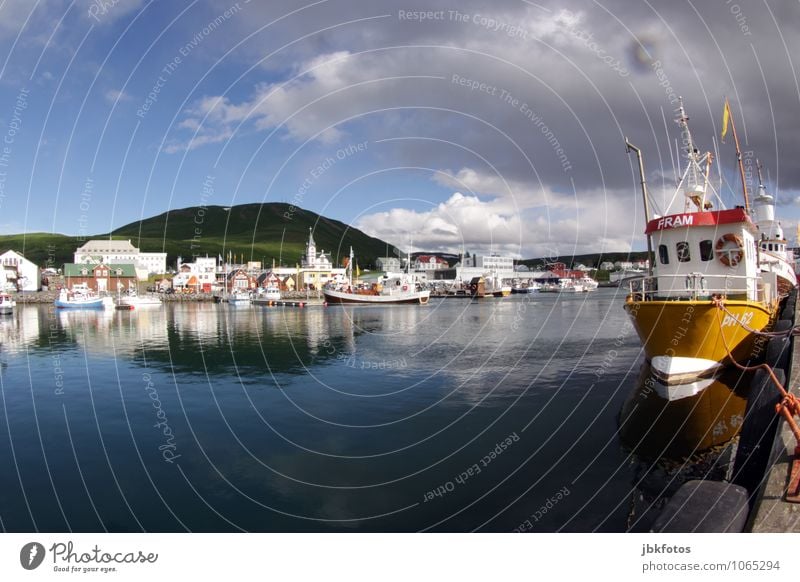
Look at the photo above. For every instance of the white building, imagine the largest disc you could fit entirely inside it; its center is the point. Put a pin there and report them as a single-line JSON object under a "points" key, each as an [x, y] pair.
{"points": [[430, 263], [121, 252], [18, 272], [316, 269], [491, 262], [312, 259]]}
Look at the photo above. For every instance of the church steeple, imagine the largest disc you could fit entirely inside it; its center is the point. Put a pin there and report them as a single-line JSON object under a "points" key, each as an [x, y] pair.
{"points": [[311, 249]]}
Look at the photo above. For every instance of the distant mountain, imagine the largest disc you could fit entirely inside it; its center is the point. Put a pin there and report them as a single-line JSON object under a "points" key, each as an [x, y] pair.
{"points": [[251, 232]]}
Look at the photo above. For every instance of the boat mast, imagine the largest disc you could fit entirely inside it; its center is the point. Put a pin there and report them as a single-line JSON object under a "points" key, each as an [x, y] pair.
{"points": [[695, 190], [350, 269], [632, 148], [738, 157]]}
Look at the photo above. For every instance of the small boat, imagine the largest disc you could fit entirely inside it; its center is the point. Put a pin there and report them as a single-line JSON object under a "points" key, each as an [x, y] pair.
{"points": [[267, 295], [525, 289], [7, 304], [79, 298], [391, 289], [494, 286], [710, 295], [239, 298], [570, 286], [588, 284], [134, 301]]}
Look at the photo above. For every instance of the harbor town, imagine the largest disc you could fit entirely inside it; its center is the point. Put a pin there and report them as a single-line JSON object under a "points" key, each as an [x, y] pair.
{"points": [[116, 266], [340, 268]]}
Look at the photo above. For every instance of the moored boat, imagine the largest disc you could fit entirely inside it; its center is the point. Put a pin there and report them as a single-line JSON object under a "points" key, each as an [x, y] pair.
{"points": [[79, 298], [7, 304], [239, 298], [267, 295], [707, 298], [132, 300], [390, 289]]}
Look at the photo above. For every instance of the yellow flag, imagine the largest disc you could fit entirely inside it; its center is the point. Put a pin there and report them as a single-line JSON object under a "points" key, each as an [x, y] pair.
{"points": [[726, 115]]}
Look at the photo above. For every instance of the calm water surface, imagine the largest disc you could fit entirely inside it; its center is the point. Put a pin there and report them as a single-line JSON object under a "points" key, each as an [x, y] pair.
{"points": [[455, 416]]}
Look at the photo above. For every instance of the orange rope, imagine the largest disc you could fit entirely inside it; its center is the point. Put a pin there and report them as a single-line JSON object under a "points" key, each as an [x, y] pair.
{"points": [[789, 405]]}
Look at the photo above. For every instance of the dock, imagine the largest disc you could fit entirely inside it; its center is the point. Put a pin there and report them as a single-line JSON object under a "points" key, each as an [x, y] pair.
{"points": [[755, 500], [289, 303], [771, 512]]}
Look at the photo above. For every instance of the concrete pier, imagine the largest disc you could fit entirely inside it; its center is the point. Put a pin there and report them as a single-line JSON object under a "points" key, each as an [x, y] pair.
{"points": [[772, 513]]}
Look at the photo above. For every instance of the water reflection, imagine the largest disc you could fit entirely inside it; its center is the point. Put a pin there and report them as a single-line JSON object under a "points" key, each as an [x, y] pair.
{"points": [[659, 421]]}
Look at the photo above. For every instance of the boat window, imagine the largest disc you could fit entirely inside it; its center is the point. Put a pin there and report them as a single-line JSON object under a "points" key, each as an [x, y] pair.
{"points": [[683, 251], [706, 250], [663, 254]]}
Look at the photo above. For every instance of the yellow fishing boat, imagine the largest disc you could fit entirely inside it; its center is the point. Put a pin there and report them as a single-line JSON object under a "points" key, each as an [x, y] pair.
{"points": [[712, 288]]}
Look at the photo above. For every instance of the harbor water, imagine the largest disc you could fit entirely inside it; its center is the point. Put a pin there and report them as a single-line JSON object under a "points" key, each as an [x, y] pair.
{"points": [[488, 415]]}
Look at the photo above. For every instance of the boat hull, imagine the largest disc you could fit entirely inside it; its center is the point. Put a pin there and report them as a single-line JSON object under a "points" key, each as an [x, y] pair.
{"points": [[91, 304], [139, 302], [693, 339], [342, 297]]}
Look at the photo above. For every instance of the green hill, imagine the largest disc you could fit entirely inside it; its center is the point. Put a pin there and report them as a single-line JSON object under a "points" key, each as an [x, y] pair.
{"points": [[251, 232]]}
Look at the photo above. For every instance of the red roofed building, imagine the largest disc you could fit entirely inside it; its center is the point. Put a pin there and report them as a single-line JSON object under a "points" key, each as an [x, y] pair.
{"points": [[430, 263]]}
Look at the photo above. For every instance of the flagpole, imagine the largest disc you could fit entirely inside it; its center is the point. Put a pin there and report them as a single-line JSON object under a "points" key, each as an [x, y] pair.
{"points": [[738, 157]]}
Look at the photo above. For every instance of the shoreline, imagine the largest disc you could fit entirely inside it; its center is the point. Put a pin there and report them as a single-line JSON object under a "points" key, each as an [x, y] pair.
{"points": [[45, 297]]}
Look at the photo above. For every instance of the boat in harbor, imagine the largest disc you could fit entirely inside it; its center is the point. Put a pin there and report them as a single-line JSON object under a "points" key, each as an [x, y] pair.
{"points": [[494, 286], [389, 289], [709, 294], [80, 297], [525, 288], [570, 286], [7, 304], [238, 298], [132, 300], [266, 295], [774, 255]]}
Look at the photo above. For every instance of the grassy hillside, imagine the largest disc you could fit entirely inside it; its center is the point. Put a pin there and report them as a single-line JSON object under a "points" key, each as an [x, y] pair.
{"points": [[256, 232], [44, 249]]}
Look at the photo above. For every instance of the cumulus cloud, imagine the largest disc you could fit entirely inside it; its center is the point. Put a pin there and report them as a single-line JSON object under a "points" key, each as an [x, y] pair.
{"points": [[520, 110], [517, 224]]}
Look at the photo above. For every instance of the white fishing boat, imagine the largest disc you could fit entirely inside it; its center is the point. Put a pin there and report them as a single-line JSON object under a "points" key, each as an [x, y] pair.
{"points": [[7, 304], [267, 295], [570, 286], [132, 300], [774, 255], [588, 284], [390, 289], [80, 297], [239, 298]]}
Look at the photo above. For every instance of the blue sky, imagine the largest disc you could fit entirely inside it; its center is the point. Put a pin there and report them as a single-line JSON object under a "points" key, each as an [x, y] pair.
{"points": [[463, 126]]}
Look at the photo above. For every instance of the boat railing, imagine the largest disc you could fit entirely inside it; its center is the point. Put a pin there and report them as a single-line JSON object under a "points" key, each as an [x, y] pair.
{"points": [[695, 286]]}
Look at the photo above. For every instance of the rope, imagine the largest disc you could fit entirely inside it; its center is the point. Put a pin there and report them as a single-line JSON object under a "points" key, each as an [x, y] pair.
{"points": [[719, 302], [789, 404]]}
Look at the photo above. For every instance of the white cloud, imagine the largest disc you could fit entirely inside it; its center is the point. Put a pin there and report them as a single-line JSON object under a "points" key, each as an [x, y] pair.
{"points": [[114, 95], [518, 225]]}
